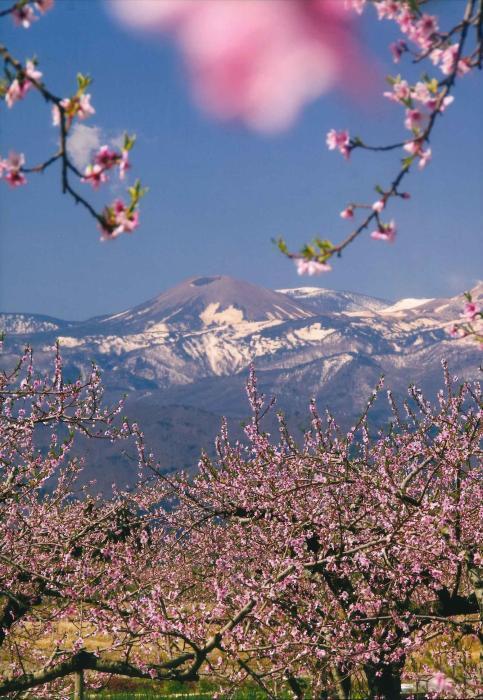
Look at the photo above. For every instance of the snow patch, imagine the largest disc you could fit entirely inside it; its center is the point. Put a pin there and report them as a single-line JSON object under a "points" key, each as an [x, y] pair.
{"points": [[404, 305], [313, 332], [229, 316], [67, 342]]}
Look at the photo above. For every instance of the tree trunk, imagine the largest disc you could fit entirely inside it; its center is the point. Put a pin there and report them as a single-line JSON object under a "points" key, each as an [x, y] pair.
{"points": [[384, 681], [79, 685], [342, 684]]}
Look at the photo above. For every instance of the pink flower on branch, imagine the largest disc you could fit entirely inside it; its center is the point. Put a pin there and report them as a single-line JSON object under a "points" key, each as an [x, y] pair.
{"points": [[259, 62], [347, 213], [13, 169], [398, 48], [339, 140], [119, 219], [95, 175], [23, 16], [414, 119], [20, 86], [471, 310], [385, 232]]}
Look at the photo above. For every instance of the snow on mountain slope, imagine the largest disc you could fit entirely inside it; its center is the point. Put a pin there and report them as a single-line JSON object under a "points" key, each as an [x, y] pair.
{"points": [[12, 323], [211, 327], [322, 300], [183, 356]]}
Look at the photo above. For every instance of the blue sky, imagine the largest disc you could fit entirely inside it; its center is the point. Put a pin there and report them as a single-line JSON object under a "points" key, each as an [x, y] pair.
{"points": [[219, 193]]}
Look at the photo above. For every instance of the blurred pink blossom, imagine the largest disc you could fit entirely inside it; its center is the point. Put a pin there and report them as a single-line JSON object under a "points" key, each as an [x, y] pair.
{"points": [[259, 62]]}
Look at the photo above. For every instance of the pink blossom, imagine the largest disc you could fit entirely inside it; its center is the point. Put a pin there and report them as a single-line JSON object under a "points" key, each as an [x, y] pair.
{"points": [[455, 331], [471, 310], [414, 119], [56, 111], [20, 86], [405, 21], [119, 219], [413, 147], [310, 267], [23, 16], [95, 175], [388, 9], [400, 91], [106, 157], [445, 58], [15, 92], [421, 92], [441, 683], [426, 26], [379, 205], [79, 106], [259, 62], [347, 213], [424, 158], [397, 49], [85, 109], [340, 140], [13, 167], [124, 164], [386, 232]]}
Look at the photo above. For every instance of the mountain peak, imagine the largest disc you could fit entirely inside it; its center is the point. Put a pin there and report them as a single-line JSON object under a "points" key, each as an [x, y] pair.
{"points": [[206, 301]]}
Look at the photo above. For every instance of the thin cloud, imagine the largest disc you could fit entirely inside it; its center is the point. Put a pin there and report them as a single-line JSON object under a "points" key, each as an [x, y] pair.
{"points": [[83, 140]]}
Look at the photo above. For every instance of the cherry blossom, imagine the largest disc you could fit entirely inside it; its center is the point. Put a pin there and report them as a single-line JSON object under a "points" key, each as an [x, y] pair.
{"points": [[119, 219], [423, 101], [471, 310], [386, 232], [258, 62], [78, 106], [347, 213], [13, 169], [23, 16], [94, 175], [19, 87], [339, 140]]}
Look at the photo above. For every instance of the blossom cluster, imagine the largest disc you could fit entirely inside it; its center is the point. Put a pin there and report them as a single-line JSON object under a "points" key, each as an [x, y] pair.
{"points": [[21, 85], [19, 80], [79, 105], [471, 324], [422, 102], [120, 217], [371, 538], [23, 11], [107, 158]]}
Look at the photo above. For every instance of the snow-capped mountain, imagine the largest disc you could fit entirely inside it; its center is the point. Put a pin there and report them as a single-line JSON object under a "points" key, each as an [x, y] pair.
{"points": [[191, 346]]}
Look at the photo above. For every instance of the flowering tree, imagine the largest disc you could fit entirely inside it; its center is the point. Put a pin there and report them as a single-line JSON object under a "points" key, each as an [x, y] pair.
{"points": [[20, 79], [301, 566], [374, 543], [90, 583]]}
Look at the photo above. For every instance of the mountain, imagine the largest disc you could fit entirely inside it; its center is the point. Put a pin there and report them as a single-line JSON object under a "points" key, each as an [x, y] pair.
{"points": [[183, 356]]}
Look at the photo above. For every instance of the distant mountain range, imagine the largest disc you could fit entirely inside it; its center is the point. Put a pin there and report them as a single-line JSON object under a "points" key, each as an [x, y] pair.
{"points": [[183, 356]]}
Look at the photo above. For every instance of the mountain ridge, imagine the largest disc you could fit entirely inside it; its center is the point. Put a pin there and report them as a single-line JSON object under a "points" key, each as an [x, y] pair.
{"points": [[186, 352]]}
